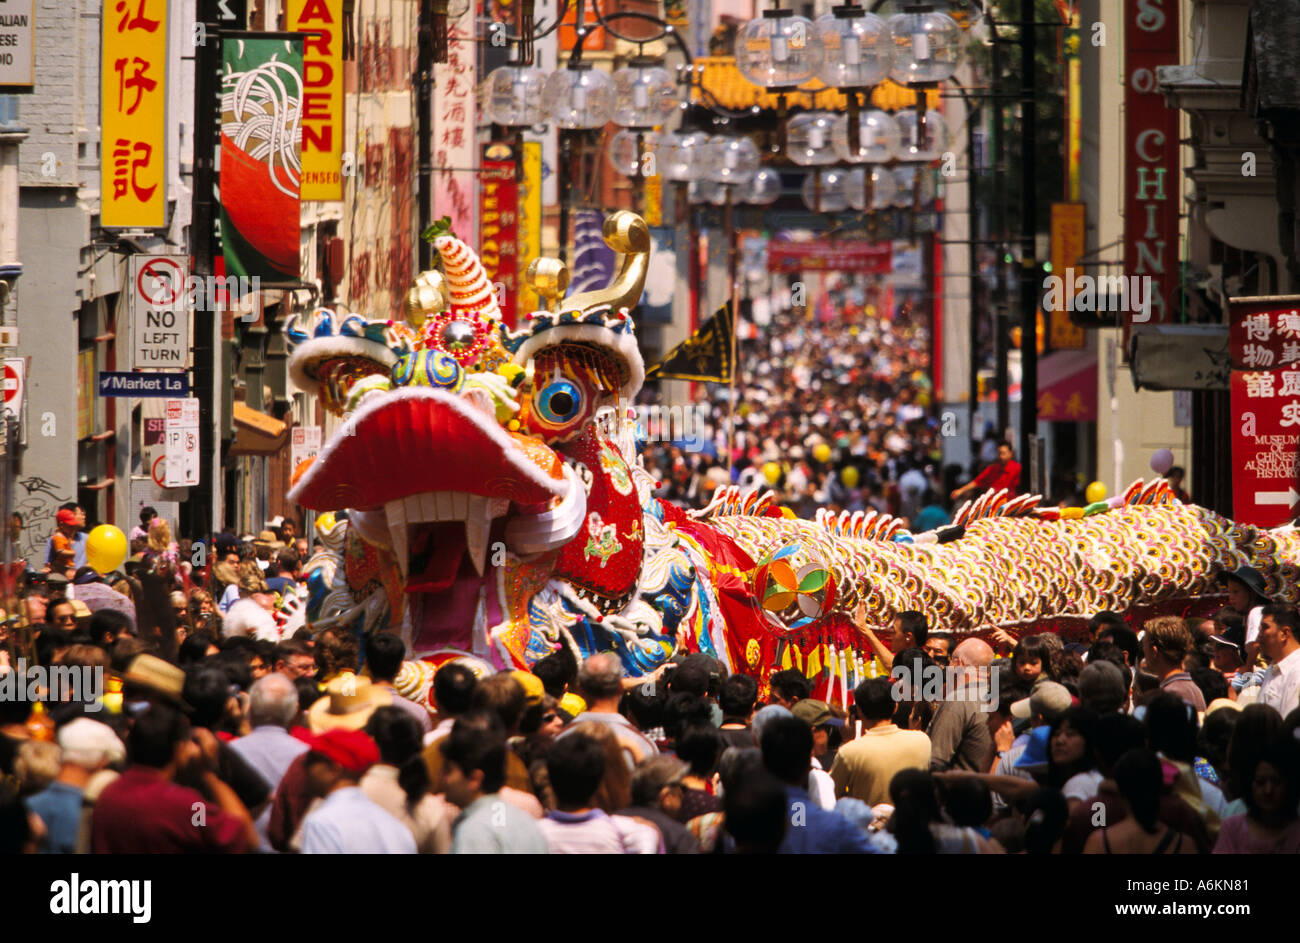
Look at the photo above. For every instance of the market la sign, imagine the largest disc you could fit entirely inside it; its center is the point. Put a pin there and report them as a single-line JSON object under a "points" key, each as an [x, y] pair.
{"points": [[1151, 176]]}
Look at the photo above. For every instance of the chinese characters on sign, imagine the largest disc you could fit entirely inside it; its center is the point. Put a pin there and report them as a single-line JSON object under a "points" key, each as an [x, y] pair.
{"points": [[133, 103], [1264, 340], [821, 255], [322, 97], [530, 223], [498, 246], [1068, 243], [454, 121]]}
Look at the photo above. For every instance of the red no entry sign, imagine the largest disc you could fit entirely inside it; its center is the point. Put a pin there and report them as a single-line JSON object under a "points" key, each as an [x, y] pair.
{"points": [[13, 384]]}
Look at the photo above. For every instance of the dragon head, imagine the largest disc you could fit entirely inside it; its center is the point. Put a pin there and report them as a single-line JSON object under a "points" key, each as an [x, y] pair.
{"points": [[451, 455]]}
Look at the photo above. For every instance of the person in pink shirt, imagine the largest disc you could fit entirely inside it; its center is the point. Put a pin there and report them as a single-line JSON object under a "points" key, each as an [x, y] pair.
{"points": [[1271, 824]]}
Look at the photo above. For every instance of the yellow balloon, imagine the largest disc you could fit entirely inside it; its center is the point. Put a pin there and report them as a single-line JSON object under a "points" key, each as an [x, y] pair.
{"points": [[1095, 492], [822, 452], [849, 475], [106, 548], [772, 472]]}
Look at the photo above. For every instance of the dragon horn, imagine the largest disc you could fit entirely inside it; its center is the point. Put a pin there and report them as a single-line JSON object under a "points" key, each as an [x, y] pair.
{"points": [[627, 234], [467, 283]]}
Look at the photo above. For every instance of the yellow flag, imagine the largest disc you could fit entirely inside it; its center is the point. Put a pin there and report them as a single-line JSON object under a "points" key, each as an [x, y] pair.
{"points": [[814, 668]]}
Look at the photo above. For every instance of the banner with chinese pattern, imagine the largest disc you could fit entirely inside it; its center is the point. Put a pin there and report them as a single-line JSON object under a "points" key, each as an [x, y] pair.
{"points": [[593, 261], [322, 99], [261, 156], [454, 122], [1264, 348], [530, 222], [133, 114], [498, 210]]}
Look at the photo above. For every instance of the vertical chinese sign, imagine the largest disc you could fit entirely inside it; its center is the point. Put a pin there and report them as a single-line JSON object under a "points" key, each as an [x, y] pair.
{"points": [[133, 114], [1152, 191], [1264, 343], [530, 223], [322, 98], [261, 155], [1068, 235], [454, 124], [498, 210]]}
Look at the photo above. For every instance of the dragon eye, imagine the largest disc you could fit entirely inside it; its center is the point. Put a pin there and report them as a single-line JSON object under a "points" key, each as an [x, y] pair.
{"points": [[559, 402]]}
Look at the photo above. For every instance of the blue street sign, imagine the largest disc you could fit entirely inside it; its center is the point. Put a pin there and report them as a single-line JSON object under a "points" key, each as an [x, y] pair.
{"points": [[144, 384]]}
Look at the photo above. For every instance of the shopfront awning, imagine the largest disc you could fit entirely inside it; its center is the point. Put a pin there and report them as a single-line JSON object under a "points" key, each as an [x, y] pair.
{"points": [[723, 81], [1067, 386], [256, 433]]}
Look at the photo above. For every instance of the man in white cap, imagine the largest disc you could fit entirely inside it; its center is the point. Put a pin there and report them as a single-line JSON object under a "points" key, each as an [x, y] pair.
{"points": [[87, 747]]}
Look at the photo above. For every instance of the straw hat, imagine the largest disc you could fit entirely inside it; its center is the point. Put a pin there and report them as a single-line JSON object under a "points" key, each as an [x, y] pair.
{"points": [[348, 703], [267, 540], [158, 676]]}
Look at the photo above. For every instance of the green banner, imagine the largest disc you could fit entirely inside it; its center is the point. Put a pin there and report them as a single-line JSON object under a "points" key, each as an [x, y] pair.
{"points": [[261, 156]]}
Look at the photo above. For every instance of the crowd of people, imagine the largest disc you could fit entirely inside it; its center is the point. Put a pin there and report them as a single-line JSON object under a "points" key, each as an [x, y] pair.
{"points": [[1173, 736], [170, 590], [832, 410]]}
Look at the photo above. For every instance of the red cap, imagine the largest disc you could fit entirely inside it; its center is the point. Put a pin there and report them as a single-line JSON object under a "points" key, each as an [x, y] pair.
{"points": [[353, 750], [66, 517]]}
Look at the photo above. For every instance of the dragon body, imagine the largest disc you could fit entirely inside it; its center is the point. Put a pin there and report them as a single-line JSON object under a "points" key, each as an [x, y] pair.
{"points": [[497, 508]]}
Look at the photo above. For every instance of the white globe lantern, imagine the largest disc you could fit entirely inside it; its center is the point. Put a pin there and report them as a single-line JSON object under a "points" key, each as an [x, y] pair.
{"points": [[680, 153], [730, 160], [878, 136], [905, 181], [778, 50], [513, 97], [644, 96], [921, 141], [808, 138], [831, 196], [883, 188], [631, 159], [704, 190], [580, 97], [927, 47], [857, 49], [763, 188]]}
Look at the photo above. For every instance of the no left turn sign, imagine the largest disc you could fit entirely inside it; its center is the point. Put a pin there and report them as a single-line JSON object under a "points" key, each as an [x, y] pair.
{"points": [[160, 282]]}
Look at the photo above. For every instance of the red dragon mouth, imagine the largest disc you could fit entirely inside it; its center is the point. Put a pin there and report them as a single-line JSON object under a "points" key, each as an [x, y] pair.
{"points": [[433, 478]]}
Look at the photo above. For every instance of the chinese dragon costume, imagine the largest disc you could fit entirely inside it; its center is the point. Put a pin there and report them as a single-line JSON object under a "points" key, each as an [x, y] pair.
{"points": [[497, 508]]}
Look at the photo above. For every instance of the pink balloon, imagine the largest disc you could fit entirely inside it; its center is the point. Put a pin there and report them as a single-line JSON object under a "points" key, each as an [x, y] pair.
{"points": [[1161, 461]]}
